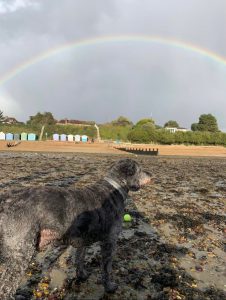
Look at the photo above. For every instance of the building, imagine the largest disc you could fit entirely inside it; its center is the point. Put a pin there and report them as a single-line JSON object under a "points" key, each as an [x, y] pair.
{"points": [[10, 120], [175, 129]]}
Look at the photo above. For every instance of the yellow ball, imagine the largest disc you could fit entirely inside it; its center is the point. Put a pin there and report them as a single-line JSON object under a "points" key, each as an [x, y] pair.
{"points": [[127, 218]]}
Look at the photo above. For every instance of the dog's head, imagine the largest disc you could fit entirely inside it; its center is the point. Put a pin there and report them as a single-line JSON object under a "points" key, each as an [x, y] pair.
{"points": [[128, 173]]}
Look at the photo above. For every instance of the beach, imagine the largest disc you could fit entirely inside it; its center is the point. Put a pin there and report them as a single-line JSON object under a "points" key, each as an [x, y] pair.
{"points": [[174, 248], [110, 148]]}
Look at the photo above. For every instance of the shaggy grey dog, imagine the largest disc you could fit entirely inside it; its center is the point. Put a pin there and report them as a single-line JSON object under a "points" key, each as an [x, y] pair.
{"points": [[46, 215]]}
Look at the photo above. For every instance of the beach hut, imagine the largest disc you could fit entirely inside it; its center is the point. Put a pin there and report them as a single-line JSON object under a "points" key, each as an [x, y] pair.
{"points": [[77, 138], [70, 138], [31, 137], [23, 136], [63, 137], [84, 138], [16, 137], [56, 137], [9, 137], [2, 136]]}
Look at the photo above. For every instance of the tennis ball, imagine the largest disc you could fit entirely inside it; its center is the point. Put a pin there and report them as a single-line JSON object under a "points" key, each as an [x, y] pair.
{"points": [[127, 218]]}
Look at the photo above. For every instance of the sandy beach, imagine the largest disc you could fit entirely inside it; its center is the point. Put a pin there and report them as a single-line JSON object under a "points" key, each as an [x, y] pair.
{"points": [[108, 148]]}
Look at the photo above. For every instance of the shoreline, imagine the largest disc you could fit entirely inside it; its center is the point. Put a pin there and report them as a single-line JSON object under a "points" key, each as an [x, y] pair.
{"points": [[108, 148]]}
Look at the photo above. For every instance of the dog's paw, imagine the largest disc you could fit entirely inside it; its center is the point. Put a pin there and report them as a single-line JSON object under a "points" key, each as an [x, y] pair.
{"points": [[110, 287]]}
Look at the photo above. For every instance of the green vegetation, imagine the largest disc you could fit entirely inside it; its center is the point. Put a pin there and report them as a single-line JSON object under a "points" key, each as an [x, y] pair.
{"points": [[205, 132], [162, 136], [35, 123], [145, 123], [113, 132], [116, 130], [143, 132], [40, 120], [18, 128], [50, 129], [171, 123], [206, 123], [122, 121], [90, 131]]}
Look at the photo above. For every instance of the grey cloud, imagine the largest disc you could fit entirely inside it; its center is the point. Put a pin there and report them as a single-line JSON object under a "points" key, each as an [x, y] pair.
{"points": [[101, 82], [10, 6]]}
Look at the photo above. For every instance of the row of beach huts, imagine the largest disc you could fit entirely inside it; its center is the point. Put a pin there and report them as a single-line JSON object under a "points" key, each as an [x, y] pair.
{"points": [[18, 137], [33, 137], [70, 138]]}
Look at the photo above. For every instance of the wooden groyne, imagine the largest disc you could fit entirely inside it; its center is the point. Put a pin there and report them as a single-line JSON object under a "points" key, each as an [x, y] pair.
{"points": [[138, 150]]}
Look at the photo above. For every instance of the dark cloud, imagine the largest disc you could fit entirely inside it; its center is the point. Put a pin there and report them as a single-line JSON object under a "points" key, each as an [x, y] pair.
{"points": [[101, 82]]}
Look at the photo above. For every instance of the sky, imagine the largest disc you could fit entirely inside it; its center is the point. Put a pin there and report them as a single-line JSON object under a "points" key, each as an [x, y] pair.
{"points": [[124, 76]]}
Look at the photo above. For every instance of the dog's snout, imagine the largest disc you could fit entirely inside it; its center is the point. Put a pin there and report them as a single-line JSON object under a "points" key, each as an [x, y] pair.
{"points": [[145, 178]]}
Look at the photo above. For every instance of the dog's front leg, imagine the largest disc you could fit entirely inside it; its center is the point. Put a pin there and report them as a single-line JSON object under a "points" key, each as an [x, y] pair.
{"points": [[81, 273], [107, 250]]}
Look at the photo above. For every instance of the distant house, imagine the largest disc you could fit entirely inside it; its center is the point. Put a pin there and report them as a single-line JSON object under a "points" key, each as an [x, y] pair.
{"points": [[175, 129], [10, 120]]}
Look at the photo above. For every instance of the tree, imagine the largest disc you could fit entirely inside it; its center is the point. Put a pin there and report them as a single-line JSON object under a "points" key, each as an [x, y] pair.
{"points": [[1, 116], [41, 119], [195, 127], [143, 132], [207, 122], [138, 135], [145, 123], [172, 123], [122, 121]]}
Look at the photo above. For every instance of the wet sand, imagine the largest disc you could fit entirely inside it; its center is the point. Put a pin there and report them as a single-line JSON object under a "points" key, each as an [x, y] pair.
{"points": [[174, 248]]}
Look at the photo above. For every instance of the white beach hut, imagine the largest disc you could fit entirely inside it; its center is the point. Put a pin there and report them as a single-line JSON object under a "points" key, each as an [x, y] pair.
{"points": [[56, 137], [77, 138], [70, 138], [2, 136]]}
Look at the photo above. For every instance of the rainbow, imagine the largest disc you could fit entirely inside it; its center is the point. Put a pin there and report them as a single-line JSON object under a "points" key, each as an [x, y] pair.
{"points": [[169, 42]]}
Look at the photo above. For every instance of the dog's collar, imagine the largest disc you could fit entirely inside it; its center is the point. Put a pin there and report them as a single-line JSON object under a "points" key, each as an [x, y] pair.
{"points": [[117, 187]]}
